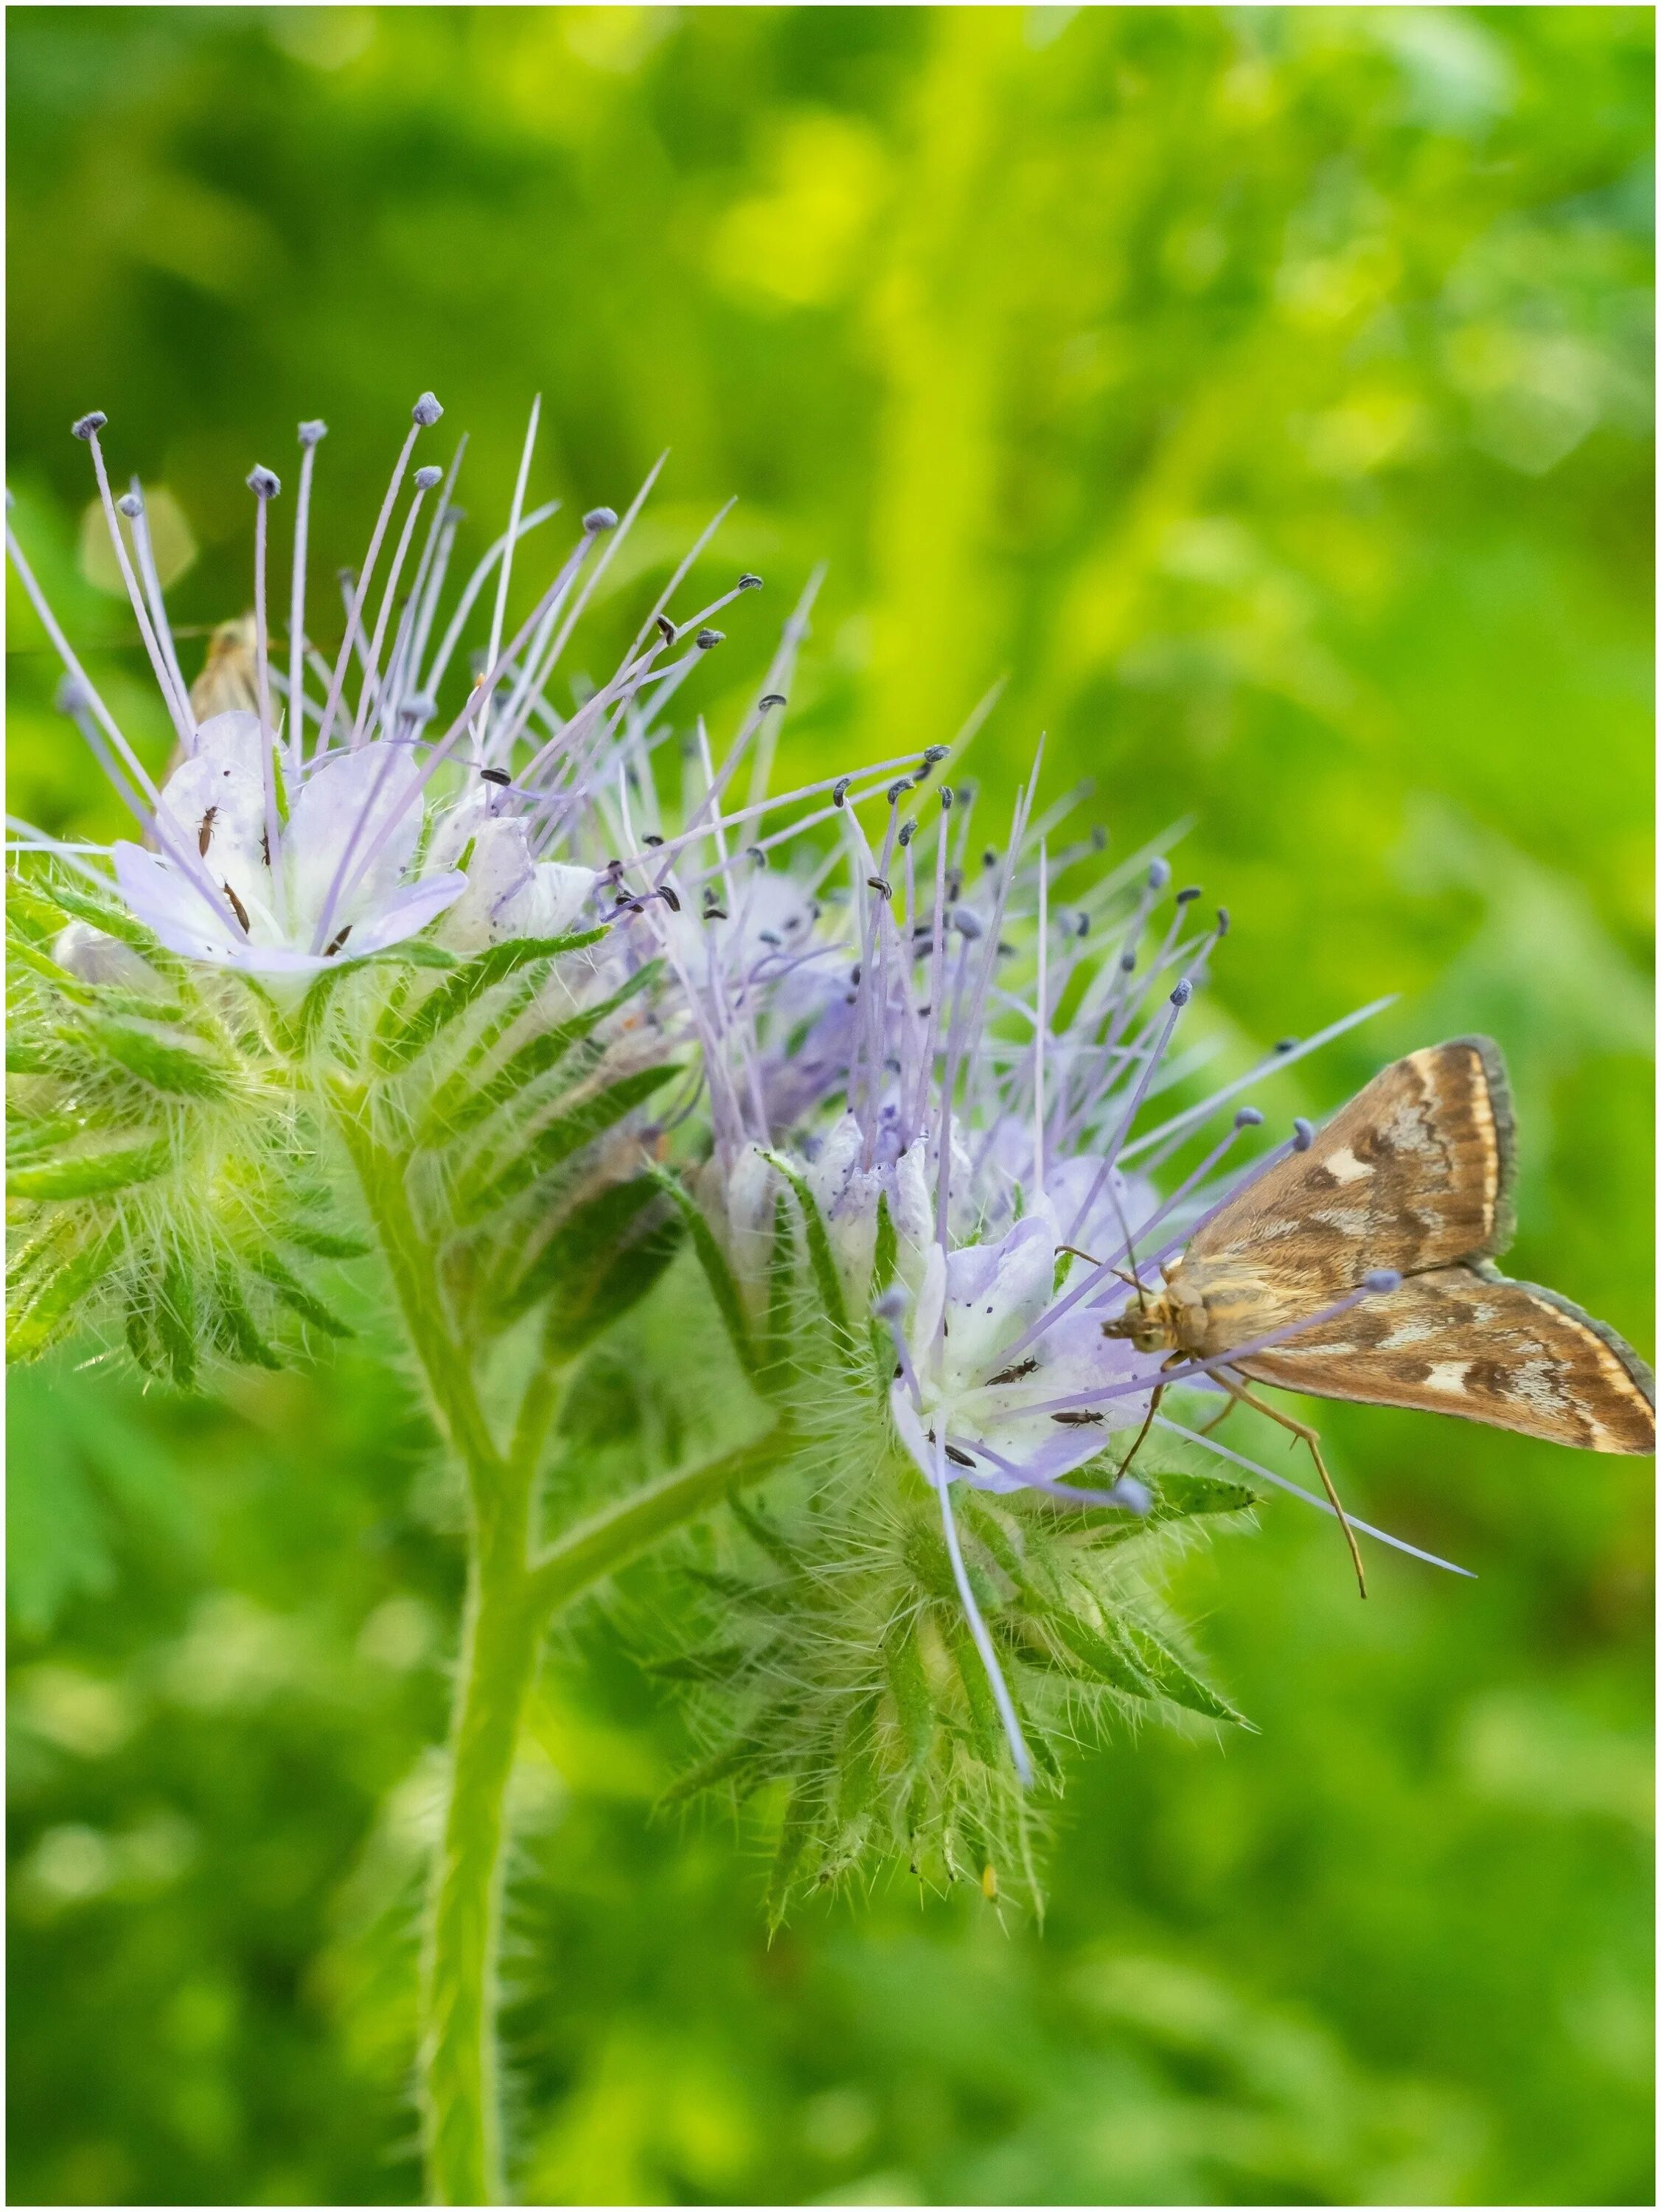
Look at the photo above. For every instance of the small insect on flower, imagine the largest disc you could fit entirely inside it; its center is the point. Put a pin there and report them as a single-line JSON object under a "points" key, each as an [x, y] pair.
{"points": [[1359, 1267]]}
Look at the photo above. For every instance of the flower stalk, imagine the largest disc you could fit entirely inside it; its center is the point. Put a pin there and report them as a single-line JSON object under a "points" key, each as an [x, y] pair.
{"points": [[512, 1592]]}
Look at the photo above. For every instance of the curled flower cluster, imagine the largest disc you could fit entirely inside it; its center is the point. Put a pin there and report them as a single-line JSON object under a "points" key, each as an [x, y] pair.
{"points": [[926, 1111]]}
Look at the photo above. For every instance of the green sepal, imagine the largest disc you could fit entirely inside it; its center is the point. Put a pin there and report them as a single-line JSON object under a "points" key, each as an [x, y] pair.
{"points": [[556, 1140], [794, 1837], [820, 1258], [35, 1324], [395, 1046], [723, 1283], [415, 952], [461, 1104], [94, 1174], [233, 1329], [908, 1686], [178, 1070], [26, 902], [1172, 1679], [885, 1261], [115, 922], [601, 1260], [28, 955], [295, 1295], [324, 1243], [174, 1320]]}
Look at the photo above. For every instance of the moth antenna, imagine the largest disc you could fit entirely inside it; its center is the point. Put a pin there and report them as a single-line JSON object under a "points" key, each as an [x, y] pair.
{"points": [[1135, 1277]]}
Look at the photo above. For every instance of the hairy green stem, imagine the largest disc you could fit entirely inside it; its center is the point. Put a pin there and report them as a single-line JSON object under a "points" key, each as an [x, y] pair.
{"points": [[510, 1598]]}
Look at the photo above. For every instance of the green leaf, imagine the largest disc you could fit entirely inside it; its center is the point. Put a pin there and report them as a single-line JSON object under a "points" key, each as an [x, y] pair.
{"points": [[723, 1283], [461, 1102], [92, 1174], [166, 1063], [603, 1258], [556, 1140], [396, 1047]]}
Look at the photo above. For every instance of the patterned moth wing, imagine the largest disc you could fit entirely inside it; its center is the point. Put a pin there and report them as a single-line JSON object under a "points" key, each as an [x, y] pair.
{"points": [[1467, 1340], [1415, 1172]]}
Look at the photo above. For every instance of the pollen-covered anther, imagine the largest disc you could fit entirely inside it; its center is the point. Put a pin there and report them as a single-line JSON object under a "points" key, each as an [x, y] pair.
{"points": [[1247, 1117], [131, 505], [86, 427], [427, 478], [264, 484], [1303, 1134], [706, 640], [313, 432], [425, 410], [1381, 1280], [598, 518], [1159, 874]]}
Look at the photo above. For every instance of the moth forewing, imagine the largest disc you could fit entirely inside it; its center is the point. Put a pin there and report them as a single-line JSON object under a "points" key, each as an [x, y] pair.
{"points": [[1413, 1175]]}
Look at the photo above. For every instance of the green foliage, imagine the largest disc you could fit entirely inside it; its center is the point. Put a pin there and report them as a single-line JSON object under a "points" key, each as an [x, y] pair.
{"points": [[854, 1679], [1262, 392]]}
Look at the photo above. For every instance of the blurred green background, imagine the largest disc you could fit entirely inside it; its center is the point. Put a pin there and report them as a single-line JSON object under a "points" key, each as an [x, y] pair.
{"points": [[1266, 394]]}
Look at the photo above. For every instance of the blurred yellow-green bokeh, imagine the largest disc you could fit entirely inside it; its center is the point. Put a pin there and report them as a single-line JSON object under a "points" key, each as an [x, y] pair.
{"points": [[1263, 396]]}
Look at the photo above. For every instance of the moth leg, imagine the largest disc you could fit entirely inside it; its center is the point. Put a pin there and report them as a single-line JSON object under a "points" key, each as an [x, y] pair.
{"points": [[1141, 1433], [1239, 1394]]}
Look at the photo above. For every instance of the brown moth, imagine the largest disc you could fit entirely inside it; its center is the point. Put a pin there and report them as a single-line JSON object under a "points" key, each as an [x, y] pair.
{"points": [[1414, 1177], [230, 674]]}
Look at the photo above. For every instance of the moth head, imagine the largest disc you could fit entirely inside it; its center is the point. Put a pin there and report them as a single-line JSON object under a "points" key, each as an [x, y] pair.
{"points": [[1148, 1322]]}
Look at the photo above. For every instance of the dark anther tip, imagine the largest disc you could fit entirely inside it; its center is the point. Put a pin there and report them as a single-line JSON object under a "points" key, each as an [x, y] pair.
{"points": [[907, 831], [600, 518], [89, 426], [706, 640], [1183, 993], [945, 799], [880, 886], [933, 754], [263, 484], [897, 790], [1303, 1134], [651, 838], [1285, 1044], [1159, 874], [130, 505], [495, 776], [425, 410], [755, 853], [1247, 1118], [749, 582], [770, 699], [839, 796], [1127, 961], [426, 477], [665, 630], [313, 432], [1222, 921], [1191, 892]]}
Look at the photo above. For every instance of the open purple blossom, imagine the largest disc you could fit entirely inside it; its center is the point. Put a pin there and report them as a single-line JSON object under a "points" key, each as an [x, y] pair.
{"points": [[338, 808]]}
